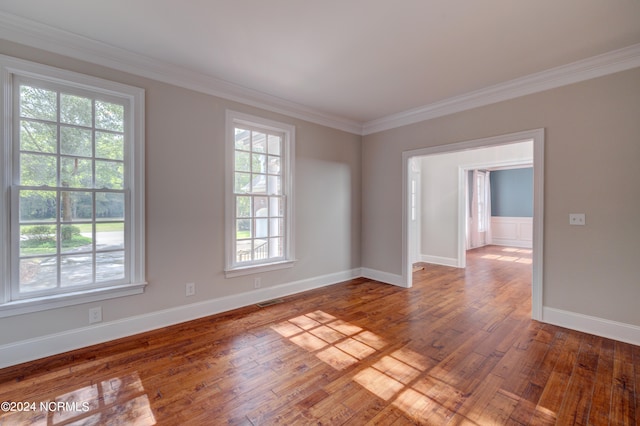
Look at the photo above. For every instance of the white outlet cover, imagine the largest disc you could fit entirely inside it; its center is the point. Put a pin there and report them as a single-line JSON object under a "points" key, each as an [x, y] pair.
{"points": [[95, 315], [577, 219], [190, 289]]}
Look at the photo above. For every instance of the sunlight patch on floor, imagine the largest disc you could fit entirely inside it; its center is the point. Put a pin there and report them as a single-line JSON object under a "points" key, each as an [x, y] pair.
{"points": [[512, 254], [394, 377]]}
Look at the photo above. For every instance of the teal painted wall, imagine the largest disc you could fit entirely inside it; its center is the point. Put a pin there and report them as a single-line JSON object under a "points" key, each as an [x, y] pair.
{"points": [[512, 192]]}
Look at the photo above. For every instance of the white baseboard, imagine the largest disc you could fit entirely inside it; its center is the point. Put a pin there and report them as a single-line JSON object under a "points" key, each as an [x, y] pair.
{"points": [[439, 260], [511, 243], [384, 277], [53, 344], [593, 325]]}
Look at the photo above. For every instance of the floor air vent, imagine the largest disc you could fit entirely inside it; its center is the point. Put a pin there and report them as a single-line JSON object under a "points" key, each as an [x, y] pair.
{"points": [[269, 303]]}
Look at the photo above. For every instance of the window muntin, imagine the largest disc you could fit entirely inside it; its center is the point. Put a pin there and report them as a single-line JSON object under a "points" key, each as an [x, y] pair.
{"points": [[260, 186], [259, 199], [69, 190]]}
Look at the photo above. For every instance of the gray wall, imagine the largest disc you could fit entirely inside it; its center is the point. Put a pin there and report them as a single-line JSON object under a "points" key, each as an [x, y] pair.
{"points": [[512, 192], [592, 149], [185, 167]]}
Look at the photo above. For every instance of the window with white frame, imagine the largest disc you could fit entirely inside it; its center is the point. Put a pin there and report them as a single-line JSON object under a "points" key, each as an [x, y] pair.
{"points": [[259, 191], [73, 204]]}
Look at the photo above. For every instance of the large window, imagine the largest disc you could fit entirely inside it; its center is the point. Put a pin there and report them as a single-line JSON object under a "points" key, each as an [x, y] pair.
{"points": [[73, 185], [259, 189]]}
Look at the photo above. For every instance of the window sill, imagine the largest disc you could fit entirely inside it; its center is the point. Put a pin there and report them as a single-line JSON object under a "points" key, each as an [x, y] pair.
{"points": [[19, 307], [257, 269]]}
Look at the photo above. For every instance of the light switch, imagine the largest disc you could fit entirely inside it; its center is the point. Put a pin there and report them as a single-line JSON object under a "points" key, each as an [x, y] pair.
{"points": [[577, 219]]}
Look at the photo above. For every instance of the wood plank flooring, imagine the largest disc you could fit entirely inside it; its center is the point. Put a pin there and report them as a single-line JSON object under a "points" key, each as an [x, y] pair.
{"points": [[459, 348]]}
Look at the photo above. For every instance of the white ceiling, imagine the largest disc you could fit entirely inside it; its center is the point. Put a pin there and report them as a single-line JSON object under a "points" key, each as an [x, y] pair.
{"points": [[360, 60]]}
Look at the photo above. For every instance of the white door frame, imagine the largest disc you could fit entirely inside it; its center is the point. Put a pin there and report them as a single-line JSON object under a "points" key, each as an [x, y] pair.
{"points": [[414, 222], [537, 136]]}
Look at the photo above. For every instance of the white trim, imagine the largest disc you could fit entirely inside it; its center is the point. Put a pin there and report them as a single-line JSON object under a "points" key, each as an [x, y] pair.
{"points": [[44, 303], [41, 36], [537, 136], [53, 344], [593, 325], [596, 66], [258, 269], [439, 260], [383, 277], [512, 231]]}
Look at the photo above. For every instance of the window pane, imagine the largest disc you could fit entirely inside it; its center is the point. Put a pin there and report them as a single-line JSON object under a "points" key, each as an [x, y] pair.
{"points": [[262, 230], [76, 269], [275, 185], [276, 247], [243, 206], [242, 181], [109, 146], [109, 116], [110, 236], [75, 110], [75, 206], [260, 206], [259, 142], [276, 206], [243, 229], [39, 273], [109, 206], [38, 137], [109, 266], [259, 163], [38, 103], [75, 172], [274, 165], [37, 240], [242, 163], [243, 140], [37, 206], [259, 184], [243, 250], [260, 250], [76, 238], [276, 227], [38, 170], [75, 141], [109, 174], [274, 145]]}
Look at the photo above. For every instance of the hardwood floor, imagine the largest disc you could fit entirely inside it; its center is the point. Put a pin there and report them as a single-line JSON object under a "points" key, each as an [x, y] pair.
{"points": [[459, 348]]}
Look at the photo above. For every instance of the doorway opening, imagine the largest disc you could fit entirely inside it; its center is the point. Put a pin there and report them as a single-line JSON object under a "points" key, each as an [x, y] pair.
{"points": [[411, 220]]}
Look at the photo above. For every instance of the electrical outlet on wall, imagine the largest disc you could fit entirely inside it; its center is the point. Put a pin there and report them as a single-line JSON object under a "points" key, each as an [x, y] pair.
{"points": [[95, 315], [257, 282], [190, 289], [577, 219]]}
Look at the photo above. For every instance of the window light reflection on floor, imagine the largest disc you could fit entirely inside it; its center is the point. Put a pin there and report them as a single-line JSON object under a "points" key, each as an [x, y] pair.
{"points": [[120, 400]]}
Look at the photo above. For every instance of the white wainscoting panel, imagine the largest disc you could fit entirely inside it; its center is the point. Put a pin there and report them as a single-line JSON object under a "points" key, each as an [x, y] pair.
{"points": [[512, 231]]}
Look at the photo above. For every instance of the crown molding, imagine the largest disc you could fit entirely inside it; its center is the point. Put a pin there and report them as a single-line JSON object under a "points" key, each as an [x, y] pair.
{"points": [[31, 33], [34, 34], [596, 66]]}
